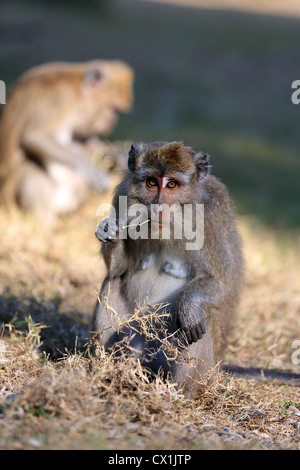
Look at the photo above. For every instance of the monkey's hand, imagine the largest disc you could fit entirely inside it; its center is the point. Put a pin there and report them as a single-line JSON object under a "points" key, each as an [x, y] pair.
{"points": [[99, 180], [107, 230], [189, 318]]}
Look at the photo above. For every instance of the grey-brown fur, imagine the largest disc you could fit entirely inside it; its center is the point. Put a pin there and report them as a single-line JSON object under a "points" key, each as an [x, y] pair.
{"points": [[202, 286]]}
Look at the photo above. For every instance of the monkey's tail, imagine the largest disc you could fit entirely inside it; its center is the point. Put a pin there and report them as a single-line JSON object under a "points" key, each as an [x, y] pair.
{"points": [[262, 374]]}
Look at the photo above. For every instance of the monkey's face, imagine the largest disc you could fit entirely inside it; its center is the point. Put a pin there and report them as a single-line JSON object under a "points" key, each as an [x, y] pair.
{"points": [[103, 120], [165, 177], [107, 92], [164, 195]]}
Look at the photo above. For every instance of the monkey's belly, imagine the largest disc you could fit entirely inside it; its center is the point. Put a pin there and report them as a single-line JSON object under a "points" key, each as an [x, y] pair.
{"points": [[70, 188], [154, 285]]}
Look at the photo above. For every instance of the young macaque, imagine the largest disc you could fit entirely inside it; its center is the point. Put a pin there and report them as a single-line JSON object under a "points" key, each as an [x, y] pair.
{"points": [[197, 281], [155, 266], [51, 113]]}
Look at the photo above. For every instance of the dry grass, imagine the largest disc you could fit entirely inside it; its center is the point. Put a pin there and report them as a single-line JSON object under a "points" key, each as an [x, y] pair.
{"points": [[89, 401], [92, 402]]}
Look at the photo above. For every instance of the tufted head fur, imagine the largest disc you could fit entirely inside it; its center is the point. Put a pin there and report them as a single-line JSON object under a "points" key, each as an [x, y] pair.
{"points": [[167, 158]]}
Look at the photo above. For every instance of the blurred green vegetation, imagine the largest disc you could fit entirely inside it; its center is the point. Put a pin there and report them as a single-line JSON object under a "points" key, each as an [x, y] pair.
{"points": [[219, 80]]}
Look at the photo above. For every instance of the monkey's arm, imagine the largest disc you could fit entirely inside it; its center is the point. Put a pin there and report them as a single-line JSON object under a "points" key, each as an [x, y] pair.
{"points": [[46, 150], [112, 249], [194, 303], [108, 232]]}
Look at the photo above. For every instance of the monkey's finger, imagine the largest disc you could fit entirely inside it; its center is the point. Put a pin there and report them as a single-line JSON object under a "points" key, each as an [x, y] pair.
{"points": [[101, 232], [202, 326], [201, 331], [104, 239], [99, 236], [197, 333], [107, 230], [111, 234]]}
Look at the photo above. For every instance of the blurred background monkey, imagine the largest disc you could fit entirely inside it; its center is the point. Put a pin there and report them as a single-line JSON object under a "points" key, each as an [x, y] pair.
{"points": [[45, 127]]}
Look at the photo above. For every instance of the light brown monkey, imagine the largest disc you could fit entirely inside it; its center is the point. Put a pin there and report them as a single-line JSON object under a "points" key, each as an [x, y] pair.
{"points": [[201, 284], [53, 109]]}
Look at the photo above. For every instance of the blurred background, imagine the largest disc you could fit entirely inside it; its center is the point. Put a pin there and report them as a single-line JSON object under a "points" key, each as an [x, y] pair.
{"points": [[217, 77]]}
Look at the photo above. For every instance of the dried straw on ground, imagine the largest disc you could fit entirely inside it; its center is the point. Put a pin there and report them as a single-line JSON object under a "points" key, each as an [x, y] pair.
{"points": [[67, 398]]}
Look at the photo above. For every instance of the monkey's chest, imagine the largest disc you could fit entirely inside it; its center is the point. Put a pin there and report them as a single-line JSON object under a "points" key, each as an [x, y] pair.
{"points": [[158, 280]]}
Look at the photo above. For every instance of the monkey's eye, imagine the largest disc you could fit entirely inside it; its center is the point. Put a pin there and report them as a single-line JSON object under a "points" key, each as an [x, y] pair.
{"points": [[172, 184], [151, 182]]}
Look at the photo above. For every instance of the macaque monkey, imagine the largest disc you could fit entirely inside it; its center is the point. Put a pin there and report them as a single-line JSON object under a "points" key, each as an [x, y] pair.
{"points": [[53, 110], [198, 283], [151, 262]]}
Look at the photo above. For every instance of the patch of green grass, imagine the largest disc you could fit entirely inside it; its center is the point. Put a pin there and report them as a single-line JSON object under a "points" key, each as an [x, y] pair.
{"points": [[38, 410], [285, 405]]}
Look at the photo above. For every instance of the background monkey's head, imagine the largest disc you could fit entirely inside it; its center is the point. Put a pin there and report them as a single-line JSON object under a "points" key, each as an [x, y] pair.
{"points": [[107, 90], [84, 99]]}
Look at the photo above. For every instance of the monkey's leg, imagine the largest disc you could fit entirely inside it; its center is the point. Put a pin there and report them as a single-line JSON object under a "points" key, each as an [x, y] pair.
{"points": [[181, 363], [193, 362], [35, 191], [48, 196], [112, 319]]}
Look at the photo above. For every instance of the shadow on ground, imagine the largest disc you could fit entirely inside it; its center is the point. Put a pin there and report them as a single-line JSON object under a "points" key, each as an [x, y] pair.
{"points": [[23, 312]]}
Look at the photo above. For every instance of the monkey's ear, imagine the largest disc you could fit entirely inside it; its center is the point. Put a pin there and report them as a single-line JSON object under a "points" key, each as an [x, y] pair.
{"points": [[202, 165], [132, 156], [93, 77]]}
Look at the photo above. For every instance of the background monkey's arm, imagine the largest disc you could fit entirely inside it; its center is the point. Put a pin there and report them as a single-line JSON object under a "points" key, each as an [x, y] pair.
{"points": [[46, 150]]}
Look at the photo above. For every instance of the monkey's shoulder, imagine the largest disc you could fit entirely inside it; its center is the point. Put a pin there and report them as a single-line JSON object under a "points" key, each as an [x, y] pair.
{"points": [[216, 197], [215, 188]]}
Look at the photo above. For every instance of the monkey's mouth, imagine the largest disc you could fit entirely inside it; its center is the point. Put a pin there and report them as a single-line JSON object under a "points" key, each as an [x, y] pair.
{"points": [[108, 120], [159, 221], [156, 224], [113, 116]]}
